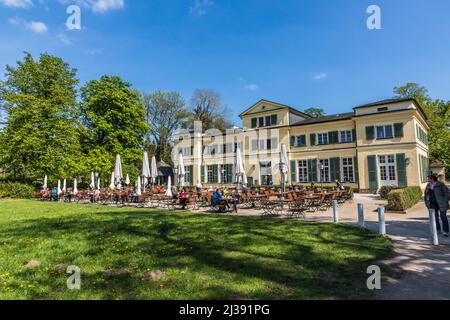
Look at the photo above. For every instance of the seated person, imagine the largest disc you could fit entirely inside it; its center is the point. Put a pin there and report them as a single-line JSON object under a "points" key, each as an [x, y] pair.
{"points": [[183, 198], [216, 197], [54, 194]]}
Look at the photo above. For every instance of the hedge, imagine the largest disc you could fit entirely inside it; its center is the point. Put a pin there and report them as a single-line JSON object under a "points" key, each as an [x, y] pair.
{"points": [[384, 192], [403, 199], [16, 190]]}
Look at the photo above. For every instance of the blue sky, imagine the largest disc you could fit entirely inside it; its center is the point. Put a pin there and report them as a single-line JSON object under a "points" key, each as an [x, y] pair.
{"points": [[313, 53]]}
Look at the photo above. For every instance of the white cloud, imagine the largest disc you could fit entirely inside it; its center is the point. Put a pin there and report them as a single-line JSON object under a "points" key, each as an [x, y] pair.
{"points": [[35, 26], [64, 38], [97, 6], [200, 7], [320, 76], [251, 87], [17, 3]]}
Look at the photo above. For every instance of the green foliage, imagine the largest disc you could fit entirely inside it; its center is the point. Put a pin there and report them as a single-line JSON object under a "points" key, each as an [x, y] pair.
{"points": [[41, 134], [384, 192], [114, 119], [315, 112], [403, 199], [438, 113], [16, 190], [165, 113]]}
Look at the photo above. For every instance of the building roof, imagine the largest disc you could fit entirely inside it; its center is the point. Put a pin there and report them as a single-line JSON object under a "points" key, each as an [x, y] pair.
{"points": [[392, 101], [164, 170], [293, 110], [335, 117]]}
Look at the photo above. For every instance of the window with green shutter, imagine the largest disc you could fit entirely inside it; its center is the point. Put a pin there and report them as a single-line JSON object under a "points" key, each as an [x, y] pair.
{"points": [[312, 170], [230, 173], [401, 170], [335, 169], [274, 120], [333, 137], [398, 130], [254, 123], [370, 133], [293, 171], [292, 141], [373, 175], [202, 174], [356, 165], [215, 173], [313, 139]]}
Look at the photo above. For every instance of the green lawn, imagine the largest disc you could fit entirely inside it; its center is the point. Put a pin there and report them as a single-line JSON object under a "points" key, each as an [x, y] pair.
{"points": [[204, 257]]}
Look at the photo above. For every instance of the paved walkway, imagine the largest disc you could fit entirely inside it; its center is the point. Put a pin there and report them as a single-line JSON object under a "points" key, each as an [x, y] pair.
{"points": [[417, 269]]}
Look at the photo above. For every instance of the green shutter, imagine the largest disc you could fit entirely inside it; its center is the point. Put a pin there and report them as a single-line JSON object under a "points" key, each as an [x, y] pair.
{"points": [[215, 174], [335, 169], [398, 130], [202, 174], [356, 167], [293, 171], [401, 170], [303, 140], [230, 173], [370, 133], [274, 120], [313, 139], [292, 141], [373, 175], [354, 135], [254, 122], [333, 137], [421, 167], [312, 170]]}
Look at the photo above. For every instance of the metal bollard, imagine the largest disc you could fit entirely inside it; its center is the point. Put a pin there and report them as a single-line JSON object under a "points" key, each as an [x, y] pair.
{"points": [[433, 227], [335, 212], [361, 215], [381, 221]]}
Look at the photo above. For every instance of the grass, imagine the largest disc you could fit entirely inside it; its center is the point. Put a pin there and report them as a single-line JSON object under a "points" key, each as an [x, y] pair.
{"points": [[204, 257]]}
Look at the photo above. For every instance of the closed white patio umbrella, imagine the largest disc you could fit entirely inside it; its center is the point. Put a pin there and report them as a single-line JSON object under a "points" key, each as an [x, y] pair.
{"points": [[284, 168], [64, 189], [92, 185], [45, 186], [112, 186], [75, 187], [98, 184], [59, 187], [181, 169], [169, 188], [240, 170], [138, 188], [127, 180], [118, 170], [154, 170]]}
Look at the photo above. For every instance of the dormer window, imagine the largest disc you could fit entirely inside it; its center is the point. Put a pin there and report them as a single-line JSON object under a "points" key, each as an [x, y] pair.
{"points": [[266, 121], [383, 109]]}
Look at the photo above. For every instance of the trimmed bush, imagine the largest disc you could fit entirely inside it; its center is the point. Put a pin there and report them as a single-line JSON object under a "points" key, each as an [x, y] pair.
{"points": [[384, 192], [16, 190], [403, 199]]}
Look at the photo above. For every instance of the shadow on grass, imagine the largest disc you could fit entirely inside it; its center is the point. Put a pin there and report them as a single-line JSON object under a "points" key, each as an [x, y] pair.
{"points": [[225, 257]]}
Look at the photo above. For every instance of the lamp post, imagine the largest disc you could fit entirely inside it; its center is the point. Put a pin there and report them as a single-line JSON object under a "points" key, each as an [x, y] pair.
{"points": [[223, 175], [322, 167]]}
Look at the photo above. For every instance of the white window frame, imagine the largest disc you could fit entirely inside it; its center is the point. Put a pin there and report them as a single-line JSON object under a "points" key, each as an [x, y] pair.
{"points": [[323, 137], [349, 167], [384, 137], [302, 170], [322, 173], [347, 134], [387, 166]]}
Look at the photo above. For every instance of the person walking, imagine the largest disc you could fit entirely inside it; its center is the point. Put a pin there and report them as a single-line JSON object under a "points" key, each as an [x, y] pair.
{"points": [[436, 198]]}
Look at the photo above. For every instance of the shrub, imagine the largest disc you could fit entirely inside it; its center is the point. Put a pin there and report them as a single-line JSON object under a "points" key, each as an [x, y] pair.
{"points": [[403, 199], [384, 192], [16, 190]]}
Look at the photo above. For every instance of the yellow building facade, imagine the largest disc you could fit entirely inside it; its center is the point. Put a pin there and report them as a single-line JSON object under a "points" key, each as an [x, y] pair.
{"points": [[379, 144]]}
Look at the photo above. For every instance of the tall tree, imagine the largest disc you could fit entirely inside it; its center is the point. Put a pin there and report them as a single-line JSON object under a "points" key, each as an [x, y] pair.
{"points": [[165, 113], [114, 117], [41, 135], [438, 113], [206, 107], [315, 112]]}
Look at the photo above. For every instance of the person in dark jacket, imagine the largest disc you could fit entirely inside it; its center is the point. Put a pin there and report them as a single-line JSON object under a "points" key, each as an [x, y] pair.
{"points": [[436, 197]]}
